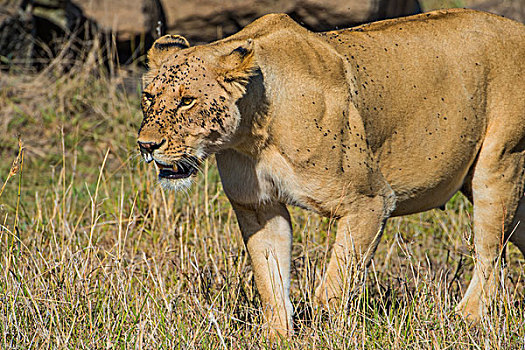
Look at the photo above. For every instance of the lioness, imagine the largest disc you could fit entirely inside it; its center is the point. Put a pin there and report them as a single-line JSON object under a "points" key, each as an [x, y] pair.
{"points": [[362, 124]]}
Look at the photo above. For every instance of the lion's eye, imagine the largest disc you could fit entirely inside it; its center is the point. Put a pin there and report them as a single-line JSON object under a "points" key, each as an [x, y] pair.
{"points": [[187, 101]]}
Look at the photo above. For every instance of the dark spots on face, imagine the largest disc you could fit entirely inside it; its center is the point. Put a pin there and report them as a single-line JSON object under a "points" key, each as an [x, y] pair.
{"points": [[206, 113]]}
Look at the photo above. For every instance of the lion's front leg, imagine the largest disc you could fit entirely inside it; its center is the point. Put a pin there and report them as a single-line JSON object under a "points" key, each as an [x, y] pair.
{"points": [[267, 234], [358, 234]]}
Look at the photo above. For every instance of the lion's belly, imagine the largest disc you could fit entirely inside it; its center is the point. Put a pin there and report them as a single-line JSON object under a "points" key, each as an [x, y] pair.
{"points": [[426, 149], [415, 200], [428, 178]]}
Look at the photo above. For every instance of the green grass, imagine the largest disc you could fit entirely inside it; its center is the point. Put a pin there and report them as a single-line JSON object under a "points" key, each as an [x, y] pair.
{"points": [[429, 5], [94, 255]]}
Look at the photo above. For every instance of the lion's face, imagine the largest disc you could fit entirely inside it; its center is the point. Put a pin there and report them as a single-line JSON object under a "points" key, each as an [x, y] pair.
{"points": [[189, 107]]}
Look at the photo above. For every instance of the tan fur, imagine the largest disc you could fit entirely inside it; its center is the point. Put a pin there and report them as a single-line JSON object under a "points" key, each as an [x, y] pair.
{"points": [[362, 124]]}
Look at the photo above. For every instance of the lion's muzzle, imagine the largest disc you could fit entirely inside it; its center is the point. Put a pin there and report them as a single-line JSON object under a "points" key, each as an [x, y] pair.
{"points": [[147, 148], [182, 169]]}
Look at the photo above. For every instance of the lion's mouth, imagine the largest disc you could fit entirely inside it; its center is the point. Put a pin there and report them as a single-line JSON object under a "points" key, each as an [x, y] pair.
{"points": [[182, 169]]}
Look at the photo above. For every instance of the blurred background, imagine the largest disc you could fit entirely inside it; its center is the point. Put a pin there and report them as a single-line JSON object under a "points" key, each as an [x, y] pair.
{"points": [[33, 32]]}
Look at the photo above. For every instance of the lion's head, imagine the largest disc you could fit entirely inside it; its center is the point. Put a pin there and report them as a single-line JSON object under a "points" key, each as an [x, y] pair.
{"points": [[189, 104]]}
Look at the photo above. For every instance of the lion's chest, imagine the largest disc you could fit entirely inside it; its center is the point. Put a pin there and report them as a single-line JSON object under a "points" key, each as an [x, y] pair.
{"points": [[269, 178]]}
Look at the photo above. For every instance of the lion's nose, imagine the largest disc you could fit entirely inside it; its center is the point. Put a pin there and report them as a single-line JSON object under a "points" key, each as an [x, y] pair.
{"points": [[147, 148]]}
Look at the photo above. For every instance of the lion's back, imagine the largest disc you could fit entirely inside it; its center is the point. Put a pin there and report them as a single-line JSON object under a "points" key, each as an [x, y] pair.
{"points": [[454, 33]]}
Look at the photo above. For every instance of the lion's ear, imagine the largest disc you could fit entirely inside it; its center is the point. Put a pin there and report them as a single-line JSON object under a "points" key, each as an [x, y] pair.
{"points": [[236, 68], [165, 46]]}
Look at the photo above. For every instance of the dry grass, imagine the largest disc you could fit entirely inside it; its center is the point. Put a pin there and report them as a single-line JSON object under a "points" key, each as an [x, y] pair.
{"points": [[94, 255]]}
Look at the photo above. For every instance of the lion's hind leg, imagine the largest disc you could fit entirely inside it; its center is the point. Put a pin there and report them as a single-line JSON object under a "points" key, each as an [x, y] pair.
{"points": [[497, 187]]}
